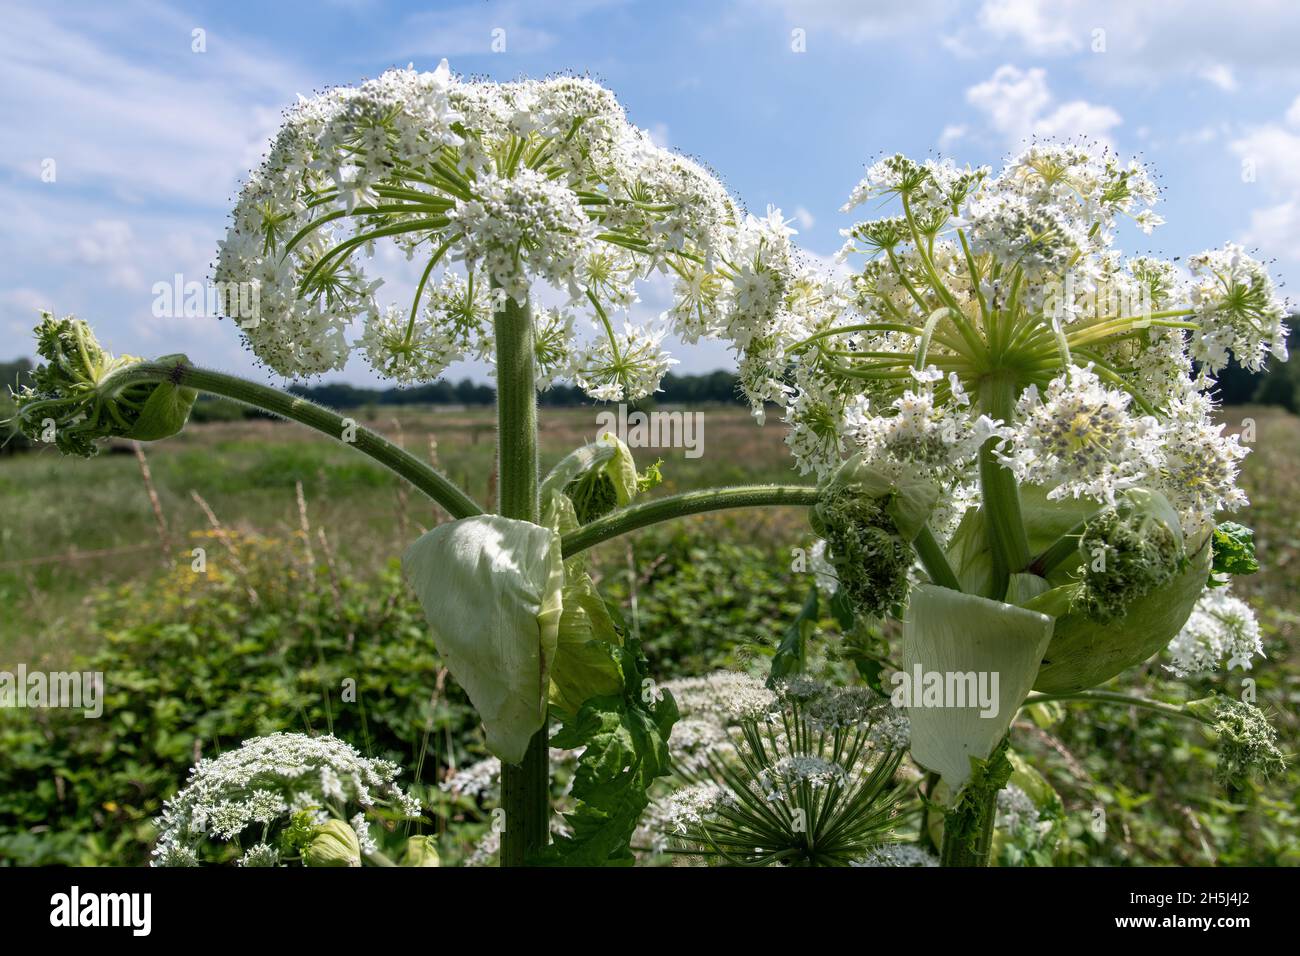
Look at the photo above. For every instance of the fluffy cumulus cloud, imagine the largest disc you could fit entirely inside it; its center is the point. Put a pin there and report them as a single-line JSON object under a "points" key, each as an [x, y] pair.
{"points": [[1267, 153], [1017, 105], [1130, 42]]}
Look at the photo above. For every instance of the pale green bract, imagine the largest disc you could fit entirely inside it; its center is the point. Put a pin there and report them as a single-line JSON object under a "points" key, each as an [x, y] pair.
{"points": [[491, 590], [947, 632]]}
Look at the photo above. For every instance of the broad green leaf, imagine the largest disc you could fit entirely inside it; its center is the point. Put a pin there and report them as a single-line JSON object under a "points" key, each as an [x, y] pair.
{"points": [[1083, 653], [1234, 551], [624, 742], [792, 651], [585, 665], [491, 591], [947, 633]]}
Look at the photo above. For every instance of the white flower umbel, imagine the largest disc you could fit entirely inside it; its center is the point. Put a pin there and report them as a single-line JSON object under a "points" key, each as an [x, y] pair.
{"points": [[997, 306], [262, 787], [525, 187], [1222, 628], [1081, 438]]}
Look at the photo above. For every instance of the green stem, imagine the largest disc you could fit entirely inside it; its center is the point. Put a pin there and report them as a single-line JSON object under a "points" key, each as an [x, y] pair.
{"points": [[1114, 697], [525, 788], [1008, 542], [934, 561], [1058, 551], [956, 852], [395, 459], [677, 506], [968, 826]]}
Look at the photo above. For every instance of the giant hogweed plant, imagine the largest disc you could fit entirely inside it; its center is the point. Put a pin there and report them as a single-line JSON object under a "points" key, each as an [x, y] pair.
{"points": [[974, 430], [1000, 396], [507, 196]]}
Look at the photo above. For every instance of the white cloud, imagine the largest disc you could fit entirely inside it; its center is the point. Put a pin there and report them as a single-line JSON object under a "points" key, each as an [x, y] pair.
{"points": [[1035, 27], [1270, 152], [1267, 154], [122, 104], [951, 135], [659, 135], [1220, 75], [1123, 41], [1018, 105], [805, 219]]}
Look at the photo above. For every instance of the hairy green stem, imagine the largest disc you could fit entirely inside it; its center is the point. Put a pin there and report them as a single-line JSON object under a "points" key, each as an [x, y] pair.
{"points": [[677, 506], [294, 408], [1114, 697], [525, 788]]}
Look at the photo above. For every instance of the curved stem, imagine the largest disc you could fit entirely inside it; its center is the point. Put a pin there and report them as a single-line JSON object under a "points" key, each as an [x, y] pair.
{"points": [[526, 787], [1059, 550], [678, 506], [1114, 697], [305, 412], [934, 561]]}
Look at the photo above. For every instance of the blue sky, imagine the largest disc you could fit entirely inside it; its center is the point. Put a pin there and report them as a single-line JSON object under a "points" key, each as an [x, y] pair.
{"points": [[149, 139]]}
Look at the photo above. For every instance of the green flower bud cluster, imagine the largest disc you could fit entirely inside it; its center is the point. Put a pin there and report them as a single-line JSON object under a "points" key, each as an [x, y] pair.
{"points": [[863, 544], [1246, 742], [1128, 551], [73, 402], [333, 843]]}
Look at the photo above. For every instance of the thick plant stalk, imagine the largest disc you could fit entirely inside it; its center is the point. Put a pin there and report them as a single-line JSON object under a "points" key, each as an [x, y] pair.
{"points": [[968, 827], [679, 506], [1008, 542], [957, 852], [525, 788], [294, 408]]}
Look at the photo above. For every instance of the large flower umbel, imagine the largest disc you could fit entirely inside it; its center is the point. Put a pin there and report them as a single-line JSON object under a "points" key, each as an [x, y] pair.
{"points": [[979, 284], [509, 187]]}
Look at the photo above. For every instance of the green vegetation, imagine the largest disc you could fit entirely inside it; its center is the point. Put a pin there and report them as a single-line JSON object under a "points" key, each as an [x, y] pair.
{"points": [[194, 663]]}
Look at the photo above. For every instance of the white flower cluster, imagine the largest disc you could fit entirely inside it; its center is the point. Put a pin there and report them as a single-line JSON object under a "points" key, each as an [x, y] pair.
{"points": [[994, 312], [507, 188], [1081, 437], [795, 771], [1221, 627], [897, 854], [723, 697], [265, 782]]}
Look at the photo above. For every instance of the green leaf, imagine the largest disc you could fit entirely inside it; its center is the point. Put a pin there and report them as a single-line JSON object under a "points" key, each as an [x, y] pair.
{"points": [[948, 633], [597, 478], [1083, 653], [1234, 552], [166, 410], [791, 653], [491, 589], [585, 665], [624, 741]]}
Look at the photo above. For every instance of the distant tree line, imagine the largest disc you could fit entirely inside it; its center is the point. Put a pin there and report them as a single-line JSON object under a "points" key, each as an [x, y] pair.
{"points": [[1278, 384], [717, 386]]}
